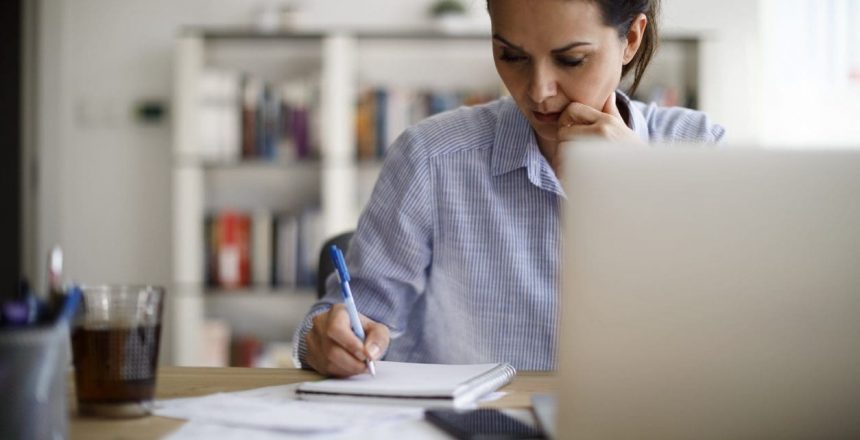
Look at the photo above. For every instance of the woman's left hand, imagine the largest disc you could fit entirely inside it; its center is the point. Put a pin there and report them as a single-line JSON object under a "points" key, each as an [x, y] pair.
{"points": [[579, 121]]}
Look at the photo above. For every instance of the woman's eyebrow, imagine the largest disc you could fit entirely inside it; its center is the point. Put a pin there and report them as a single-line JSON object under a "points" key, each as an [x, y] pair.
{"points": [[564, 48], [571, 46], [507, 43]]}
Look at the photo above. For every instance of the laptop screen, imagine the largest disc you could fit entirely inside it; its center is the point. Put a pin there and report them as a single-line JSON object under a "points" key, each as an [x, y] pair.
{"points": [[710, 293]]}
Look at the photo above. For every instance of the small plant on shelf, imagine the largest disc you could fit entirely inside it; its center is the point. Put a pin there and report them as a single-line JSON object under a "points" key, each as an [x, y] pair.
{"points": [[444, 8], [450, 16]]}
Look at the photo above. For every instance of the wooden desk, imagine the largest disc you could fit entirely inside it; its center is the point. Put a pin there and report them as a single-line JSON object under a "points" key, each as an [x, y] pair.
{"points": [[187, 382]]}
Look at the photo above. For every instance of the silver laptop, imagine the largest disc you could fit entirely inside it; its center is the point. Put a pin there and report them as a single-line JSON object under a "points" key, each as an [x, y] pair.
{"points": [[710, 293]]}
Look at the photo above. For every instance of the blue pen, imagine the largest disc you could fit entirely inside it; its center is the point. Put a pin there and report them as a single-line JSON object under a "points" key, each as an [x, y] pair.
{"points": [[343, 277]]}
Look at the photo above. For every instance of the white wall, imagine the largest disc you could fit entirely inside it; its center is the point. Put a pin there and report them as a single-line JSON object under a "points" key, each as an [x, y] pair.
{"points": [[812, 103], [776, 70], [731, 67], [105, 179]]}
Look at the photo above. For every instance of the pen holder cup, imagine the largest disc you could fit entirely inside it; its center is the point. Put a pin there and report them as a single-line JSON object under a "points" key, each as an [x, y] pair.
{"points": [[33, 366]]}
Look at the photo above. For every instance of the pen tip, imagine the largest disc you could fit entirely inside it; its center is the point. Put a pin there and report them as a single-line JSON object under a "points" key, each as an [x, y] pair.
{"points": [[372, 369]]}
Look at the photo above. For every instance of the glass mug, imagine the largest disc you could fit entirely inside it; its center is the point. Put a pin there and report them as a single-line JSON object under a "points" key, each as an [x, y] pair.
{"points": [[115, 341]]}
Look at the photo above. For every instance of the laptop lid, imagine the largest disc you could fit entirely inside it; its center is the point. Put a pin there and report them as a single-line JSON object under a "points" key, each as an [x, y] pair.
{"points": [[710, 293]]}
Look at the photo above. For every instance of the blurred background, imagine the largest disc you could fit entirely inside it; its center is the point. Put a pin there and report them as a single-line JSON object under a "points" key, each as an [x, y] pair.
{"points": [[212, 145]]}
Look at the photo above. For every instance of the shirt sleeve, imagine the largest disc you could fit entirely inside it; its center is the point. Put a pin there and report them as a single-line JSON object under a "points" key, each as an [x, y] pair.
{"points": [[390, 253], [677, 124], [300, 348]]}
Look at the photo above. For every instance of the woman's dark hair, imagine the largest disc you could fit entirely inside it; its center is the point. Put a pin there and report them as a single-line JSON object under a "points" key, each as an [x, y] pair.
{"points": [[620, 15]]}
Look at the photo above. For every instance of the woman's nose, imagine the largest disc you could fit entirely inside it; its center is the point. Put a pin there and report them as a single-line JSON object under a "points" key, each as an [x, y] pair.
{"points": [[543, 84]]}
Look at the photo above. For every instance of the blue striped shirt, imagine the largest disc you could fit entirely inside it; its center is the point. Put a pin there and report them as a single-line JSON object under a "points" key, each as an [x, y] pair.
{"points": [[458, 250]]}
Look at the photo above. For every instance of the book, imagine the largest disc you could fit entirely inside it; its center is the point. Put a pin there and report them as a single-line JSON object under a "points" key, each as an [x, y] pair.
{"points": [[245, 351], [286, 255], [402, 383], [261, 248], [251, 89], [276, 118], [232, 250], [310, 243], [220, 115], [215, 349], [383, 113], [210, 249]]}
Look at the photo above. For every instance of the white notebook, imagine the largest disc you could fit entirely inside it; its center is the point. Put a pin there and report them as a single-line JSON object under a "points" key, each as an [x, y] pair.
{"points": [[400, 383]]}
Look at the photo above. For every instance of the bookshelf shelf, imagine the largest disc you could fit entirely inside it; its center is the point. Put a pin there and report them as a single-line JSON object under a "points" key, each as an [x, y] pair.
{"points": [[248, 34], [248, 187], [256, 164], [284, 293]]}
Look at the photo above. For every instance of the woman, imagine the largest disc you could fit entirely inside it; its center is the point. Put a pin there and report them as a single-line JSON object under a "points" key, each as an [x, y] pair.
{"points": [[455, 258]]}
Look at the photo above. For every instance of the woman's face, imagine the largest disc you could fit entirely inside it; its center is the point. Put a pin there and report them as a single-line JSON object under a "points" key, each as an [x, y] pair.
{"points": [[550, 53]]}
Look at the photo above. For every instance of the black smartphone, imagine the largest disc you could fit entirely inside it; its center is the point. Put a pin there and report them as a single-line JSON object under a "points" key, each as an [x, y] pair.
{"points": [[481, 424]]}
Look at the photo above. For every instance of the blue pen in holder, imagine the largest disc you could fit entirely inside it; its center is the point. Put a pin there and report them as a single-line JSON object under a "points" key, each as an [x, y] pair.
{"points": [[34, 362]]}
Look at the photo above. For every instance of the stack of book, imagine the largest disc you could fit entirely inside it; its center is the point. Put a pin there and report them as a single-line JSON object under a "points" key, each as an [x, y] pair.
{"points": [[382, 114], [244, 117], [261, 249], [222, 348], [245, 350], [250, 350]]}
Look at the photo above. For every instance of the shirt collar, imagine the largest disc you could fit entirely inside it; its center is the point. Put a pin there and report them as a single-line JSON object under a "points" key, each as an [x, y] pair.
{"points": [[513, 141], [516, 147], [637, 121]]}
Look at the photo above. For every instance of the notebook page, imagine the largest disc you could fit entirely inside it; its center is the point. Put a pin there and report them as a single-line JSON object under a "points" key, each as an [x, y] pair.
{"points": [[403, 379], [276, 409]]}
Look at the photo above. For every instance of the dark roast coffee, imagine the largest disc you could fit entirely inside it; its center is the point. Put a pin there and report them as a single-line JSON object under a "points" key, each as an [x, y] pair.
{"points": [[115, 365]]}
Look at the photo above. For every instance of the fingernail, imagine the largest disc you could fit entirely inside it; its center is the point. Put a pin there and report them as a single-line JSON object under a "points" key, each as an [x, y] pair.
{"points": [[359, 355], [373, 351]]}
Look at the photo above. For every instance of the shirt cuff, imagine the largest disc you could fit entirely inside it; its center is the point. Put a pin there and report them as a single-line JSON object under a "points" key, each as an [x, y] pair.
{"points": [[300, 348]]}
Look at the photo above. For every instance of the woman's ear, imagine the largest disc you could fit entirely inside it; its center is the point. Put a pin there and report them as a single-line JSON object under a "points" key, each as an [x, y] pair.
{"points": [[634, 37]]}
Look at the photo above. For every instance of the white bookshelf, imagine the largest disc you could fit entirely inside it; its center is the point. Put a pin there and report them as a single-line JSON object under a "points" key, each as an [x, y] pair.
{"points": [[344, 64]]}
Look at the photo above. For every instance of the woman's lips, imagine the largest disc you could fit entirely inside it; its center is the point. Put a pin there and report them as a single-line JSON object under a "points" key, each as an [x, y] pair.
{"points": [[547, 118]]}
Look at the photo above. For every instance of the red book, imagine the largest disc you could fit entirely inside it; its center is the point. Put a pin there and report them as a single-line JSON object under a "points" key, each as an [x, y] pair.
{"points": [[246, 349], [234, 262]]}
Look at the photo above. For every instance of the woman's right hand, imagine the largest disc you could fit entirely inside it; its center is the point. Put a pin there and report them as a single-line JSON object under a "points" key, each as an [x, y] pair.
{"points": [[579, 120], [334, 350]]}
